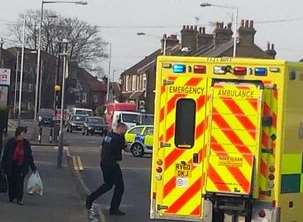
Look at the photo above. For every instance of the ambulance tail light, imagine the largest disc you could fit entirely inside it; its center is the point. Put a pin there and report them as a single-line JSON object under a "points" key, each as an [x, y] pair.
{"points": [[159, 170], [179, 68], [240, 70], [271, 177], [159, 162], [154, 195], [260, 71], [200, 69]]}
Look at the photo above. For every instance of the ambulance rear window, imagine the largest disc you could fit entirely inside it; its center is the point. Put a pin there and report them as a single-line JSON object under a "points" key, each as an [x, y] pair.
{"points": [[185, 123]]}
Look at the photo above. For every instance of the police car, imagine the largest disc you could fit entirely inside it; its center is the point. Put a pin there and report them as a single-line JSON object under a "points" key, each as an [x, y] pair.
{"points": [[140, 139]]}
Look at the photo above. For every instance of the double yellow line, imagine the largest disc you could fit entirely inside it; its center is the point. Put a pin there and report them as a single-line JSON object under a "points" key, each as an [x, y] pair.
{"points": [[78, 166]]}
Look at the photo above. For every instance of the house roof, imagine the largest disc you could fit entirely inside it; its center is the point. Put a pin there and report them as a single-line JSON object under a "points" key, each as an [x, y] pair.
{"points": [[150, 58], [92, 82]]}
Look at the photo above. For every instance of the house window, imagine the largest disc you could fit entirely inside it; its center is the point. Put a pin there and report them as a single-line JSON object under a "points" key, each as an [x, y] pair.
{"points": [[84, 97], [96, 99], [134, 82], [126, 83], [139, 82], [30, 87], [144, 81], [129, 83]]}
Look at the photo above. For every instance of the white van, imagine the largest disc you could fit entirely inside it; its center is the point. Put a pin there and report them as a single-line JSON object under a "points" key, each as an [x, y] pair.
{"points": [[130, 119], [82, 111]]}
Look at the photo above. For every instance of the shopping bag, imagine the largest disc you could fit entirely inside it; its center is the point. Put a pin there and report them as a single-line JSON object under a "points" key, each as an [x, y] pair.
{"points": [[3, 183], [34, 184]]}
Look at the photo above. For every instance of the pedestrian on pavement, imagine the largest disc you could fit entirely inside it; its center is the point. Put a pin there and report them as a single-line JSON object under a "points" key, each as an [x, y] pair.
{"points": [[111, 153], [16, 160]]}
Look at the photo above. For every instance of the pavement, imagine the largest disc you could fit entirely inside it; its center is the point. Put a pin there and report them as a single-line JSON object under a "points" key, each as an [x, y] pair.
{"points": [[61, 200], [33, 131]]}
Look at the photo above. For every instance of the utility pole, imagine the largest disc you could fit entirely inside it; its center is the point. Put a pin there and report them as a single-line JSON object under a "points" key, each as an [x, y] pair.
{"points": [[109, 68], [1, 49], [21, 74], [60, 145], [16, 82], [40, 83], [1, 127]]}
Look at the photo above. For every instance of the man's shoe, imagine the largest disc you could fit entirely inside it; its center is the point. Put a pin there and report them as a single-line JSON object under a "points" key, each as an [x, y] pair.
{"points": [[88, 203], [116, 212], [20, 202]]}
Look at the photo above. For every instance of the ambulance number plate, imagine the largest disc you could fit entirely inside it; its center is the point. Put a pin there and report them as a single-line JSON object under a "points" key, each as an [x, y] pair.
{"points": [[183, 169]]}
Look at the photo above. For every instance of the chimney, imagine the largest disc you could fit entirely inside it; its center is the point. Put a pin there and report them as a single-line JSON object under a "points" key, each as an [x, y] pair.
{"points": [[204, 39], [222, 33], [189, 37], [247, 32], [271, 52], [171, 41]]}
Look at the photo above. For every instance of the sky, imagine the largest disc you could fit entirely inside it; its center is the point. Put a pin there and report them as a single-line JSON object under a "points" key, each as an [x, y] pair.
{"points": [[276, 21]]}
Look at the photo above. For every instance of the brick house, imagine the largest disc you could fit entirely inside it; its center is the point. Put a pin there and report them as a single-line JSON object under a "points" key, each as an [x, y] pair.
{"points": [[84, 90], [194, 42], [87, 91]]}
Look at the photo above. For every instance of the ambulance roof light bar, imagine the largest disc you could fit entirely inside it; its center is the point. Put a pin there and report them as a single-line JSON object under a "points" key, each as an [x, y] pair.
{"points": [[179, 68]]}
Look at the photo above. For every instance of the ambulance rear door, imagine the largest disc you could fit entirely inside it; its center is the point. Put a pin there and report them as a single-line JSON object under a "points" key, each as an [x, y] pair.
{"points": [[182, 148]]}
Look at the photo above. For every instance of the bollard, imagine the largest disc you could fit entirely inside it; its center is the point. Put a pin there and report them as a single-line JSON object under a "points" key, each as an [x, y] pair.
{"points": [[40, 135], [51, 135]]}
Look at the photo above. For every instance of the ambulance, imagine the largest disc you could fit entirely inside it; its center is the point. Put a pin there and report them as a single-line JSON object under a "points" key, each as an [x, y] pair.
{"points": [[228, 140]]}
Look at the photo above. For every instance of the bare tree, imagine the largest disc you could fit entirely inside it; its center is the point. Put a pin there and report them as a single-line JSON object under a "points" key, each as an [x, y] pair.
{"points": [[86, 47]]}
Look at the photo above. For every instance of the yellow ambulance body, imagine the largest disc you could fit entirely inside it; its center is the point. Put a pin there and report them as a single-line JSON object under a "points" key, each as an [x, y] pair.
{"points": [[228, 142]]}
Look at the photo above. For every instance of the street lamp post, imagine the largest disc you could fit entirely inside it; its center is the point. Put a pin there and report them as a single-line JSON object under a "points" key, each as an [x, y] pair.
{"points": [[21, 72], [235, 21], [109, 68], [16, 82], [39, 46], [65, 65]]}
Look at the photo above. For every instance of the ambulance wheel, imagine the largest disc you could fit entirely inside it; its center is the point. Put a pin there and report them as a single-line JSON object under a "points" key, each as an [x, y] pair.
{"points": [[137, 150]]}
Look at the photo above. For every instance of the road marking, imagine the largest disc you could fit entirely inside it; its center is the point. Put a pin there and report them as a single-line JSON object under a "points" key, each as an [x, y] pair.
{"points": [[66, 148], [81, 168], [75, 163]]}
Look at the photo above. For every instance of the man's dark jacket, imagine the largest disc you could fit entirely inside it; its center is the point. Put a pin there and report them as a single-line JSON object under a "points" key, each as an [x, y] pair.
{"points": [[112, 146], [8, 156]]}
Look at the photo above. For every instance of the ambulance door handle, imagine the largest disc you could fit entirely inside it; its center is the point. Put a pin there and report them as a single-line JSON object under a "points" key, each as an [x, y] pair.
{"points": [[196, 158]]}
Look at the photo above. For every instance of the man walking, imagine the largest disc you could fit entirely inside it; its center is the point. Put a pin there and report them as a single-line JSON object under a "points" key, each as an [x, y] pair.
{"points": [[111, 153]]}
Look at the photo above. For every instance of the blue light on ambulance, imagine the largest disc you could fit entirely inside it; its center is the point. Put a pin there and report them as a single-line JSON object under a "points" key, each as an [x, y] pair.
{"points": [[260, 71], [179, 68]]}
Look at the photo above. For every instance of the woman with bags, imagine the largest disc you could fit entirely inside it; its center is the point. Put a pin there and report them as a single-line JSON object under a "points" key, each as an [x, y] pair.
{"points": [[16, 160]]}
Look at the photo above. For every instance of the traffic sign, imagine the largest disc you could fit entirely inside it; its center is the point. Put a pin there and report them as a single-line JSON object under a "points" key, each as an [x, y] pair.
{"points": [[5, 76]]}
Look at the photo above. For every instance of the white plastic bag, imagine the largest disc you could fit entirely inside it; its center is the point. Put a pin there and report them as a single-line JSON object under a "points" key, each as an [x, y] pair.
{"points": [[34, 184]]}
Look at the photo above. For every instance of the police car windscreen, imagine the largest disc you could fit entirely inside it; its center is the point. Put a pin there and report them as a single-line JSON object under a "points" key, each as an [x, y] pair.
{"points": [[130, 118], [147, 119]]}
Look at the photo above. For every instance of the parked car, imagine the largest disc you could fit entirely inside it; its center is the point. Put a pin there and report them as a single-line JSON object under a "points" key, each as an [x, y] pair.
{"points": [[46, 118], [140, 140], [75, 123], [94, 125]]}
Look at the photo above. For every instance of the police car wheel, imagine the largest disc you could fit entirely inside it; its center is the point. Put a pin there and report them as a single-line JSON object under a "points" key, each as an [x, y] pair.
{"points": [[137, 150]]}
